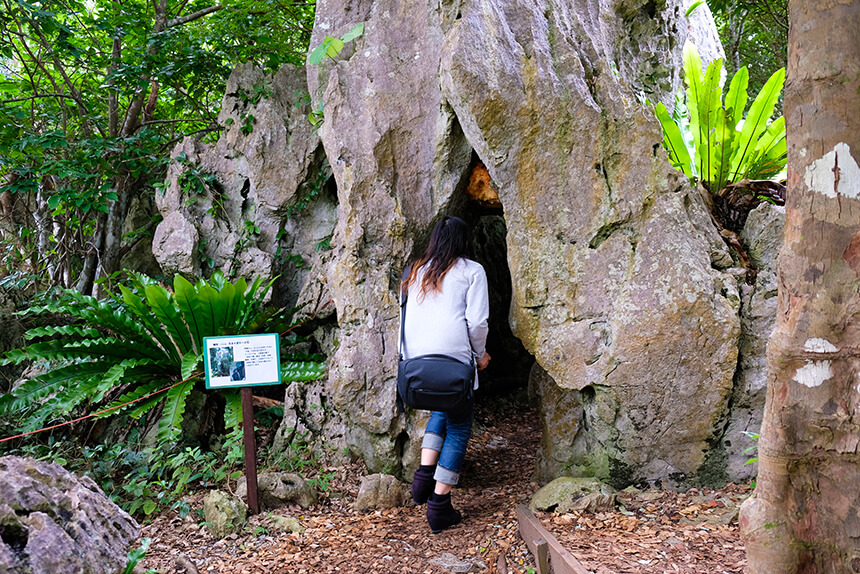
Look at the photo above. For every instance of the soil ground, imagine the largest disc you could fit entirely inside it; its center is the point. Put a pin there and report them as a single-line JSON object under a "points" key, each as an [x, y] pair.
{"points": [[647, 532]]}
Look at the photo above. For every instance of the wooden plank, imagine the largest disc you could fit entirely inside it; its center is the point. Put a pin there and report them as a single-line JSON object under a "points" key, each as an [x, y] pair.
{"points": [[542, 556], [533, 532]]}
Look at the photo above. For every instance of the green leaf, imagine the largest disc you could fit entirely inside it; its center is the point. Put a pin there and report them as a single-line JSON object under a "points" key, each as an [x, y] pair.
{"points": [[186, 299], [736, 98], [140, 391], [674, 142], [693, 7], [151, 321], [705, 121], [162, 305], [34, 390], [358, 30], [333, 46], [769, 157], [174, 409], [189, 364], [756, 123], [208, 311], [723, 139], [66, 330], [136, 555], [317, 55], [237, 304]]}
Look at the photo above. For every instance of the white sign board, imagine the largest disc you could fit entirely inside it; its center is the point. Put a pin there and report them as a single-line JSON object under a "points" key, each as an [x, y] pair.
{"points": [[242, 361]]}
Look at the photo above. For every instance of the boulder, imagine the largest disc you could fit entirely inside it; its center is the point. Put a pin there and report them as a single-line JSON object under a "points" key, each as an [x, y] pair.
{"points": [[451, 563], [286, 524], [566, 494], [176, 243], [276, 489], [379, 491], [224, 513], [53, 521]]}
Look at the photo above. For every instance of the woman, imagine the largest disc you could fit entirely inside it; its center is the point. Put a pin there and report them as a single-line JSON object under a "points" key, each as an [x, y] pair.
{"points": [[446, 313]]}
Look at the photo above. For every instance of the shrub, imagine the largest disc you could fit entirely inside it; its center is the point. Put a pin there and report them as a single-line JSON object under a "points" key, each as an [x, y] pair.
{"points": [[141, 349]]}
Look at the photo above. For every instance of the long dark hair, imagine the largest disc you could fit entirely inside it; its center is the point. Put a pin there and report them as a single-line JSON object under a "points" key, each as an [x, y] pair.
{"points": [[450, 240]]}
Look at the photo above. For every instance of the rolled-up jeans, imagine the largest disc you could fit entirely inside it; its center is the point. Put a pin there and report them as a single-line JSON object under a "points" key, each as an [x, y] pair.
{"points": [[448, 434]]}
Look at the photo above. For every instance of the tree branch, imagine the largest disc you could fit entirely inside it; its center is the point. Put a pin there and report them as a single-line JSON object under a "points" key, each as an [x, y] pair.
{"points": [[781, 22], [193, 16], [202, 132], [73, 90], [146, 123], [36, 97]]}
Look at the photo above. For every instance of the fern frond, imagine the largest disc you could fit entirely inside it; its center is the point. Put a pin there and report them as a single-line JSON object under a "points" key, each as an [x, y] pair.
{"points": [[34, 390], [139, 391], [113, 347], [121, 322], [232, 408], [185, 296], [174, 408], [164, 306], [65, 330], [301, 371], [56, 350], [190, 362], [151, 321], [70, 397]]}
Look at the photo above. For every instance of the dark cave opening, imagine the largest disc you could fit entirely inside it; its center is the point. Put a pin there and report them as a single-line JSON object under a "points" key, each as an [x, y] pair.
{"points": [[508, 371]]}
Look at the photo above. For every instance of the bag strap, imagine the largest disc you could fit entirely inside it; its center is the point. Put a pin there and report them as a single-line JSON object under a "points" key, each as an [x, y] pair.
{"points": [[404, 294]]}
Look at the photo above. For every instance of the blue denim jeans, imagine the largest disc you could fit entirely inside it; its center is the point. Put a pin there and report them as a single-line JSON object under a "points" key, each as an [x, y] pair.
{"points": [[448, 434]]}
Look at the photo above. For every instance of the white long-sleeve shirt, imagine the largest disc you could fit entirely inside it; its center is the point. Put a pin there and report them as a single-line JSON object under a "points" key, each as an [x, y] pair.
{"points": [[452, 321]]}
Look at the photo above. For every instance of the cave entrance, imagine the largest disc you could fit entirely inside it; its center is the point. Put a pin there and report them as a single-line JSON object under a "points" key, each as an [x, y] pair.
{"points": [[508, 371]]}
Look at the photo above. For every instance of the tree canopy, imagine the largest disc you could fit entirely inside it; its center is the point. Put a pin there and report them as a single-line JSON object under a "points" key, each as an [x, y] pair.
{"points": [[94, 94], [754, 34]]}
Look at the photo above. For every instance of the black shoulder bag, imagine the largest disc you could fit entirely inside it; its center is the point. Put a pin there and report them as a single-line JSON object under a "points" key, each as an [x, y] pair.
{"points": [[431, 382]]}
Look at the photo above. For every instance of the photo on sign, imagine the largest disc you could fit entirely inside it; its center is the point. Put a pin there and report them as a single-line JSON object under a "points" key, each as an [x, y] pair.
{"points": [[223, 364]]}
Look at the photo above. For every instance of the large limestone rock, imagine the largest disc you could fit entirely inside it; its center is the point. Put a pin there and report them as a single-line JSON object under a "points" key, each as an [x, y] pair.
{"points": [[398, 155], [619, 283], [619, 289], [762, 235], [234, 205], [52, 521]]}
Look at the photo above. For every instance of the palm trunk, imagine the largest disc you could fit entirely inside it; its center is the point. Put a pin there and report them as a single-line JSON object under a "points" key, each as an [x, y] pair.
{"points": [[805, 515]]}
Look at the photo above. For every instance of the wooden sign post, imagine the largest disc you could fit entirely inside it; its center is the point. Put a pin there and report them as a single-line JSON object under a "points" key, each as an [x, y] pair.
{"points": [[244, 361]]}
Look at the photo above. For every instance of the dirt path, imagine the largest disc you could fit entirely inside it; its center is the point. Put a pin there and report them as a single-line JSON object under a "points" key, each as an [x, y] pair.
{"points": [[652, 532]]}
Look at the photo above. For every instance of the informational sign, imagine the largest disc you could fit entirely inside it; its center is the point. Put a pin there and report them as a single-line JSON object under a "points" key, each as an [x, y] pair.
{"points": [[242, 361]]}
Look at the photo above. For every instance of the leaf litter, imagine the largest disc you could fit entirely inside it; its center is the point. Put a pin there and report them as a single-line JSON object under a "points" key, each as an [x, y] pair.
{"points": [[649, 531]]}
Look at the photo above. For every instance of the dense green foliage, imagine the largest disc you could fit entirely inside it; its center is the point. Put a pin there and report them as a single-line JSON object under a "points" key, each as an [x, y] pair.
{"points": [[137, 343], [94, 95], [711, 140], [754, 34]]}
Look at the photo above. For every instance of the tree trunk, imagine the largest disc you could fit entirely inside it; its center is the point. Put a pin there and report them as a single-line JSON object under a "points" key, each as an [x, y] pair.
{"points": [[805, 515]]}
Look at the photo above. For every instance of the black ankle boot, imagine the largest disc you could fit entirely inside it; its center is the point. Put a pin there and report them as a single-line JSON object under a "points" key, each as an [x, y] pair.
{"points": [[423, 483], [440, 513]]}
